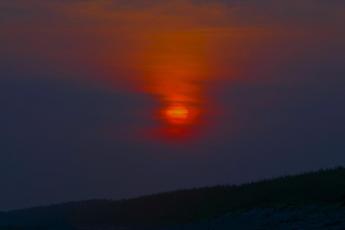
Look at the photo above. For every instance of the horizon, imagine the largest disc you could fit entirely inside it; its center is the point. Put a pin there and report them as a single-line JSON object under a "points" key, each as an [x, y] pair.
{"points": [[164, 193], [116, 99]]}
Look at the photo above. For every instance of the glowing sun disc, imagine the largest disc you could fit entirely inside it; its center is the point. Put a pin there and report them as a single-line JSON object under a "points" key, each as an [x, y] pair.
{"points": [[177, 114]]}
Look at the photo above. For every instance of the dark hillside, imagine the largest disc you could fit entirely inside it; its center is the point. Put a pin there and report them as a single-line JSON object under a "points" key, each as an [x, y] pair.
{"points": [[325, 187]]}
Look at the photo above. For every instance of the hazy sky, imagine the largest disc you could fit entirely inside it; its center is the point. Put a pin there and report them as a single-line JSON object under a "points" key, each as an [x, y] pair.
{"points": [[115, 99]]}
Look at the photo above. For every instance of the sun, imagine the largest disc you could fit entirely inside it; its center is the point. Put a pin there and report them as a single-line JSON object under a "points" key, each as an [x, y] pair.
{"points": [[177, 114]]}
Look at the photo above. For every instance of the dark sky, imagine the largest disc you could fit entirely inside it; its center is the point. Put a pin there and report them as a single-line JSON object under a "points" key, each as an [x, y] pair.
{"points": [[94, 95]]}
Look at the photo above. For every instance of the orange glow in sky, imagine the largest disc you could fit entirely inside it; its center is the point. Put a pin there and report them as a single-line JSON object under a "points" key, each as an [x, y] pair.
{"points": [[174, 67], [174, 51]]}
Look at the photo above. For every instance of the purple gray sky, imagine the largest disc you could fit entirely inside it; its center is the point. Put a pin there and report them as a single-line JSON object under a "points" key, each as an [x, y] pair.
{"points": [[111, 99]]}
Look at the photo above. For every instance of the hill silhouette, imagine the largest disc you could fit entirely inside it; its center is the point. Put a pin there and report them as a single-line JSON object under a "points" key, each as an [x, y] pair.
{"points": [[324, 187]]}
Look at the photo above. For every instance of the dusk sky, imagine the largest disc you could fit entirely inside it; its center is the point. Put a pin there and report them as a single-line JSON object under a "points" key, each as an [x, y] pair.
{"points": [[117, 99]]}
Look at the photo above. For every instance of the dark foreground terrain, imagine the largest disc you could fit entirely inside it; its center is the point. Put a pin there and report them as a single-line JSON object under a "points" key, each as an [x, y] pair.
{"points": [[309, 201]]}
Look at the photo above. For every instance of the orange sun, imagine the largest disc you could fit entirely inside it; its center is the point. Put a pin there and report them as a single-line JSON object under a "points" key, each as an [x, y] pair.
{"points": [[177, 114]]}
